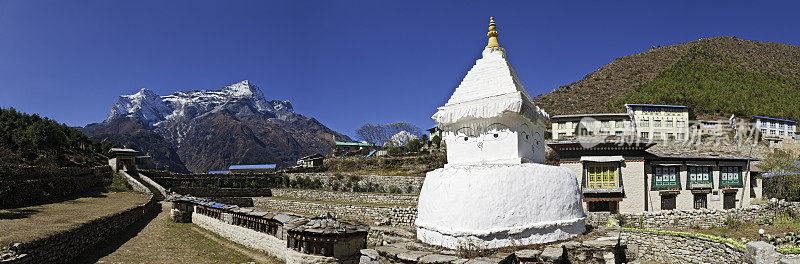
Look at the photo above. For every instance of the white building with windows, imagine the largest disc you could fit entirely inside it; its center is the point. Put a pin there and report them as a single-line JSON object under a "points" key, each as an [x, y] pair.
{"points": [[775, 128], [607, 124], [628, 178], [660, 122]]}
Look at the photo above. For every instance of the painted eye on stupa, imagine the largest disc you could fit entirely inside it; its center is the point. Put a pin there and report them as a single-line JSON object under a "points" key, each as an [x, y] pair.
{"points": [[465, 134], [496, 131]]}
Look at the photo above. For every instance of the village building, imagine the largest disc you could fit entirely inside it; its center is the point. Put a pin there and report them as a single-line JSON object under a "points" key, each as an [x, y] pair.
{"points": [[774, 128], [343, 148], [433, 132], [607, 124], [255, 168], [495, 190], [716, 128], [624, 177], [124, 159], [311, 161], [660, 122]]}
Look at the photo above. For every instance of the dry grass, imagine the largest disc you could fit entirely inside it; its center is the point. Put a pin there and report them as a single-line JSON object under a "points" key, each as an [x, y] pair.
{"points": [[164, 241], [32, 222], [750, 230]]}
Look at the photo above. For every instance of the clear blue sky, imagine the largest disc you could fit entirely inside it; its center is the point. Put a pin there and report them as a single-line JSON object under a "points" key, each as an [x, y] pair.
{"points": [[343, 62]]}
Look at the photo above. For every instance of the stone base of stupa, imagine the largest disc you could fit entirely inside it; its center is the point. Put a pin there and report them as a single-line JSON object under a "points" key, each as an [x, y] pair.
{"points": [[493, 206]]}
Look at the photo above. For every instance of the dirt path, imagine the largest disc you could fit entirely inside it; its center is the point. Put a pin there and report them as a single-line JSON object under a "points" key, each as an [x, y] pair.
{"points": [[259, 257], [162, 241]]}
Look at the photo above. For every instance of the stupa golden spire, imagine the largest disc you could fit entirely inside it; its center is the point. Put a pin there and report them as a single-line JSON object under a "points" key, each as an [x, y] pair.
{"points": [[492, 34]]}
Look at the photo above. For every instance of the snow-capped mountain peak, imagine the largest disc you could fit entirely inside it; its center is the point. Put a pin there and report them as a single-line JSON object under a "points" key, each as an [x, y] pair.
{"points": [[242, 98], [144, 105]]}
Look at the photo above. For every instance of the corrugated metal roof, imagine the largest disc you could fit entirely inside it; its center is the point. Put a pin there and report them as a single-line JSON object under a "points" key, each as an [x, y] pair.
{"points": [[219, 172], [674, 106], [772, 118], [252, 167], [358, 144], [589, 115]]}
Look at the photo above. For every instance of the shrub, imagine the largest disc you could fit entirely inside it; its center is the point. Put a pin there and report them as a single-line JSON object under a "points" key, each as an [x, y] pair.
{"points": [[395, 189], [414, 145], [118, 184]]}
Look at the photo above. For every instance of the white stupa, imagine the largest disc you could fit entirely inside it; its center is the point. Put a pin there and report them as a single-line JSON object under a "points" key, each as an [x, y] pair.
{"points": [[495, 190]]}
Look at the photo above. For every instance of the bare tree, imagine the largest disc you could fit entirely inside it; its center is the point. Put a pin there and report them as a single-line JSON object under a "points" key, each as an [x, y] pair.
{"points": [[381, 134]]}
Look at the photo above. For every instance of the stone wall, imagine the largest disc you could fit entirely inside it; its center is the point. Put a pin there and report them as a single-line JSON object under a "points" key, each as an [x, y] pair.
{"points": [[337, 181], [171, 180], [222, 192], [347, 197], [666, 248], [66, 245], [25, 185], [397, 216], [704, 218]]}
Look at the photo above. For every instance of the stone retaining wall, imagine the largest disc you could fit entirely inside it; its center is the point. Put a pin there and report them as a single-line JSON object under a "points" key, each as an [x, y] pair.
{"points": [[329, 180], [347, 197], [66, 245], [397, 216], [25, 185], [222, 192], [666, 248], [704, 218]]}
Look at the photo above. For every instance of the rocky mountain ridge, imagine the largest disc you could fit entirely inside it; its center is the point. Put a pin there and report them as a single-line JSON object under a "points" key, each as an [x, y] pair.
{"points": [[212, 129]]}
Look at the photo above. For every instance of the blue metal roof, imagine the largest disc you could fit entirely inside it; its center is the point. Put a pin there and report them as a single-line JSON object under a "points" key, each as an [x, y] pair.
{"points": [[252, 167], [219, 172], [675, 106], [358, 144], [771, 118]]}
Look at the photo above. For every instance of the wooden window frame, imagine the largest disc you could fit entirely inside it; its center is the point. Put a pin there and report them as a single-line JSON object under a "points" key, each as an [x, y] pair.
{"points": [[676, 183]]}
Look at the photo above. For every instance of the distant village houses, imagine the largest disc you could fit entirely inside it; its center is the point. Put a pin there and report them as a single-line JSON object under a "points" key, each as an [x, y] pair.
{"points": [[311, 161], [775, 128], [608, 124], [344, 148], [660, 122]]}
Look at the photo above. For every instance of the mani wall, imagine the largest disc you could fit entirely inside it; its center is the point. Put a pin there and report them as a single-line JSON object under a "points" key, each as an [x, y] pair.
{"points": [[64, 246], [27, 185]]}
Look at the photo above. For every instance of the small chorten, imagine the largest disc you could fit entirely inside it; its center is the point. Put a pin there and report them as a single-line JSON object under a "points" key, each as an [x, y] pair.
{"points": [[495, 190]]}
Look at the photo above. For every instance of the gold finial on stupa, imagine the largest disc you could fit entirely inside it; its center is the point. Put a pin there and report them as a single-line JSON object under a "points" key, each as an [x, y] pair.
{"points": [[492, 34]]}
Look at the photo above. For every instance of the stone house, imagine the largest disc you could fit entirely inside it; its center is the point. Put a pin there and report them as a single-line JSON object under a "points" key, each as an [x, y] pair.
{"points": [[311, 161], [124, 159], [625, 177]]}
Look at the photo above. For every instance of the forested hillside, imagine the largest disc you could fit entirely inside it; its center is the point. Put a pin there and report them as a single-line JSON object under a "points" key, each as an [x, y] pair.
{"points": [[717, 77], [33, 140]]}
